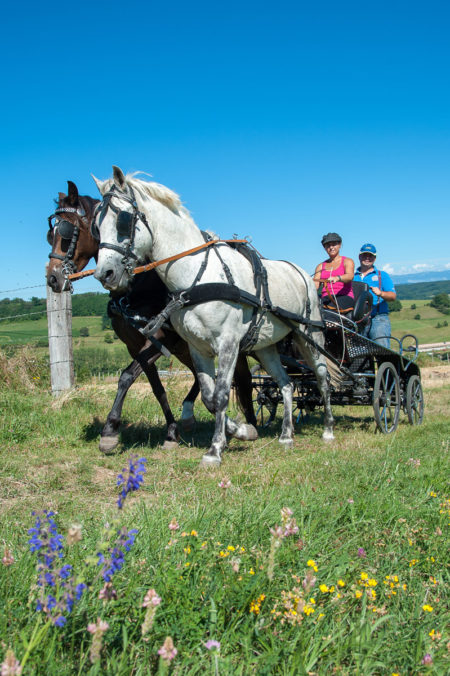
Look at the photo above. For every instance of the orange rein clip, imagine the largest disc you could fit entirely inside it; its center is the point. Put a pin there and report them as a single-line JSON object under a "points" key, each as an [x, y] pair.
{"points": [[155, 264]]}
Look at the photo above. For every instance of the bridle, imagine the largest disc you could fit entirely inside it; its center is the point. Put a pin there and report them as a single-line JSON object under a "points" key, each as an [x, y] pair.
{"points": [[125, 225]]}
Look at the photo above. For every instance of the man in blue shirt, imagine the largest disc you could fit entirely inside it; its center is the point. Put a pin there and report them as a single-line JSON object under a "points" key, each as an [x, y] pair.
{"points": [[382, 290]]}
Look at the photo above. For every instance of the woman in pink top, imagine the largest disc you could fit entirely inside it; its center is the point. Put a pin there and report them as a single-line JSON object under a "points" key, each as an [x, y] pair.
{"points": [[336, 274]]}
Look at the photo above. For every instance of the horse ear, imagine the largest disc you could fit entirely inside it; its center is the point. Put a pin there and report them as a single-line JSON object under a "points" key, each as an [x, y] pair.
{"points": [[100, 184], [119, 177], [73, 193], [61, 196]]}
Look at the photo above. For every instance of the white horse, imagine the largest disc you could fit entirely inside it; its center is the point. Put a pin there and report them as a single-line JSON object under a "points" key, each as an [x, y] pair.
{"points": [[142, 221]]}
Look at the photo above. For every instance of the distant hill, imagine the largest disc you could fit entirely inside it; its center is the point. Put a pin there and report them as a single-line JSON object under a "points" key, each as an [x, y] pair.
{"points": [[415, 277], [421, 290]]}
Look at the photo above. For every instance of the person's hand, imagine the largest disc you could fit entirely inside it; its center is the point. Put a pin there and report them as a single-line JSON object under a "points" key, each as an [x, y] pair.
{"points": [[376, 290]]}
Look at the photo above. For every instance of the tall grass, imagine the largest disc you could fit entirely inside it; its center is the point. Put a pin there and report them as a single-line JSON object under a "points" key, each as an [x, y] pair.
{"points": [[360, 588]]}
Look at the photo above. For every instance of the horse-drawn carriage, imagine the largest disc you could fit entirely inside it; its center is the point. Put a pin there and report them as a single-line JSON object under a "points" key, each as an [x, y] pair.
{"points": [[271, 310], [363, 372]]}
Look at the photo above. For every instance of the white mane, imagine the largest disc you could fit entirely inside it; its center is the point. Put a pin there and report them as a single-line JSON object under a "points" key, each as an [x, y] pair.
{"points": [[159, 192]]}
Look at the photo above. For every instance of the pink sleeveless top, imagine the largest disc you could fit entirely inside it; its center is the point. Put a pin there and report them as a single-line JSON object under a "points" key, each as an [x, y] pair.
{"points": [[338, 288]]}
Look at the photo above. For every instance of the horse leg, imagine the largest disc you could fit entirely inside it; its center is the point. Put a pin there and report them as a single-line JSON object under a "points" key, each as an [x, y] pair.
{"points": [[244, 390], [172, 434], [317, 362], [187, 416], [270, 360], [109, 438]]}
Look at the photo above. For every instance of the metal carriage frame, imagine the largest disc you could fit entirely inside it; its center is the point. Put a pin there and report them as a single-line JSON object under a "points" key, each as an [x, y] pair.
{"points": [[362, 373]]}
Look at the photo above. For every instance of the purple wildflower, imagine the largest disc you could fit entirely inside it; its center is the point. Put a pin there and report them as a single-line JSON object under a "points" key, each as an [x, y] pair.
{"points": [[48, 546], [131, 478], [113, 558], [362, 553], [212, 644], [427, 659]]}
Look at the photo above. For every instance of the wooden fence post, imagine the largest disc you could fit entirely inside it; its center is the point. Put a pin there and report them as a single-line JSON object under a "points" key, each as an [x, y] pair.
{"points": [[59, 318]]}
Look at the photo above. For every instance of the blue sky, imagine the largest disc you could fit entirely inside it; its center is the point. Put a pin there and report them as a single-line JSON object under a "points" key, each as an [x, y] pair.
{"points": [[279, 121]]}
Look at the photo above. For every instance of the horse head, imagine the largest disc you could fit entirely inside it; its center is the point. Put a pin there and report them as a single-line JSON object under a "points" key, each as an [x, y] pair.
{"points": [[119, 224], [70, 237]]}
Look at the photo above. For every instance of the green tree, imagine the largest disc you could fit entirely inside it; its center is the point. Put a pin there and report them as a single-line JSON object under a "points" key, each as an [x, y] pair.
{"points": [[84, 331], [395, 306]]}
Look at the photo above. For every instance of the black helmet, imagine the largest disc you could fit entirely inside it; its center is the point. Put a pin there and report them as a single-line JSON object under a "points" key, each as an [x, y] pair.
{"points": [[331, 237]]}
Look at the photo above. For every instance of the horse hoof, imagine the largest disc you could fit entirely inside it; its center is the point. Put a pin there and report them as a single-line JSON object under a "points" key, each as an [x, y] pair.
{"points": [[187, 424], [246, 433], [287, 443], [210, 461], [169, 445], [328, 436], [108, 444]]}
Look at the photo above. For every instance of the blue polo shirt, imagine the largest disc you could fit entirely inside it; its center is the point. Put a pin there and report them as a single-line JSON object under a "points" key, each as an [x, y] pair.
{"points": [[373, 279]]}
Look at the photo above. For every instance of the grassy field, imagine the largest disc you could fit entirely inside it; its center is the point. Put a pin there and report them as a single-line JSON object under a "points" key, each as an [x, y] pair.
{"points": [[425, 327], [357, 584]]}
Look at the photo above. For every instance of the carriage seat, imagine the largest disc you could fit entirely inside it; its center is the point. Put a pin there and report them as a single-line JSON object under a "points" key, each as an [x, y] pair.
{"points": [[363, 301], [360, 313]]}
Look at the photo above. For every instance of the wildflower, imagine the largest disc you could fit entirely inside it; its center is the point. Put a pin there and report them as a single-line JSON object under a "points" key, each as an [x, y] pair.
{"points": [[358, 593], [10, 665], [323, 588], [174, 525], [225, 483], [151, 602], [131, 478], [107, 593], [341, 583], [362, 553], [433, 494], [312, 564], [438, 531], [427, 659], [350, 501], [414, 462], [47, 544], [168, 651], [427, 608], [372, 582], [74, 534], [212, 645], [288, 522], [251, 571], [97, 630], [309, 581], [115, 553], [8, 558], [364, 576], [194, 533]]}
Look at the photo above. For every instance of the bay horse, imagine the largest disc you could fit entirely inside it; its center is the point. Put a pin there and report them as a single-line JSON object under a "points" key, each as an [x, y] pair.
{"points": [[73, 245], [140, 221]]}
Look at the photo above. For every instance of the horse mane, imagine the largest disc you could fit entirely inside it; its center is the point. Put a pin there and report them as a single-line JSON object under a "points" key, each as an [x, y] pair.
{"points": [[159, 192]]}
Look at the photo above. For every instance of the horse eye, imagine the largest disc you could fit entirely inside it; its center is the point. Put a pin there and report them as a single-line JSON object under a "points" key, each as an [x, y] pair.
{"points": [[124, 223]]}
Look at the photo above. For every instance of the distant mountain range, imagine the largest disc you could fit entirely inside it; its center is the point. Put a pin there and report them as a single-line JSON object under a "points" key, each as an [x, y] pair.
{"points": [[415, 277]]}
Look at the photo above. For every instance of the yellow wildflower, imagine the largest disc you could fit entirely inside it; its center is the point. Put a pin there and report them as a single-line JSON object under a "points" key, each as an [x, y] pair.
{"points": [[251, 571], [312, 564], [433, 494], [372, 582], [427, 608], [358, 594], [323, 588], [194, 533], [364, 576], [187, 549], [341, 583], [231, 548]]}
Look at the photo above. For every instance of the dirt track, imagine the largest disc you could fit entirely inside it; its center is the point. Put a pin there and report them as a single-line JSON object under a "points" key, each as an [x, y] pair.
{"points": [[435, 376]]}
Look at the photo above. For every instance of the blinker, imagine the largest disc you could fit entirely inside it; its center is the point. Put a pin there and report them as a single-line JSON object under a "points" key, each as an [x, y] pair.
{"points": [[65, 229], [124, 224]]}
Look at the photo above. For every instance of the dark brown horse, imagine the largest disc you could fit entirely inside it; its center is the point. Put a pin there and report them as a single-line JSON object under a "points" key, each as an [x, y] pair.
{"points": [[72, 247]]}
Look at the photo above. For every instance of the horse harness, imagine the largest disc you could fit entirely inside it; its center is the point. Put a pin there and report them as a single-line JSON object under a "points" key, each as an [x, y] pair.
{"points": [[202, 293], [69, 232]]}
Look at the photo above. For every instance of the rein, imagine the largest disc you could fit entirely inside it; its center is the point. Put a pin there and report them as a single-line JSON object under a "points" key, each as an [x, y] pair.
{"points": [[155, 264]]}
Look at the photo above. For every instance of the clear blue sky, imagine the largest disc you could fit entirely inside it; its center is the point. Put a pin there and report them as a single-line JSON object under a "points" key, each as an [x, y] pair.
{"points": [[281, 121]]}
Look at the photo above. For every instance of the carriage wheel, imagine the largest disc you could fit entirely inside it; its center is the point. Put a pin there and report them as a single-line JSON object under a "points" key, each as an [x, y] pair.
{"points": [[386, 398], [414, 401], [266, 404]]}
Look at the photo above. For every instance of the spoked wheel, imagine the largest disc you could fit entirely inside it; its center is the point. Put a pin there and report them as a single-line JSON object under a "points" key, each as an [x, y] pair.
{"points": [[386, 398], [266, 405], [414, 401]]}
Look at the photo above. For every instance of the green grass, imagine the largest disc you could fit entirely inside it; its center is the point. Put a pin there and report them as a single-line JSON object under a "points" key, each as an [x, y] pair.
{"points": [[387, 495], [424, 328]]}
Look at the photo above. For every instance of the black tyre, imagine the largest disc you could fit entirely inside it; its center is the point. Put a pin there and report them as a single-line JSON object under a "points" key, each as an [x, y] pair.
{"points": [[414, 401], [386, 398]]}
